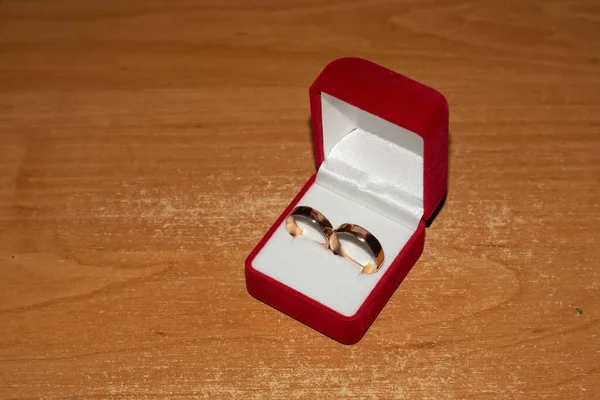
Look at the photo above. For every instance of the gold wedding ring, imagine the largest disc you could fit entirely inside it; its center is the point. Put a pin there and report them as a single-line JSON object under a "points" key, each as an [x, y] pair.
{"points": [[365, 238], [314, 217]]}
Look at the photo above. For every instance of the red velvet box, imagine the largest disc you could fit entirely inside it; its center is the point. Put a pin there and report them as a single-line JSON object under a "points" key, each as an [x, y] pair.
{"points": [[381, 146]]}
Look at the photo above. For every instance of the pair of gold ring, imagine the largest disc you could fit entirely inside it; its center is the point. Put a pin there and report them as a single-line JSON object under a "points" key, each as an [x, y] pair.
{"points": [[332, 236]]}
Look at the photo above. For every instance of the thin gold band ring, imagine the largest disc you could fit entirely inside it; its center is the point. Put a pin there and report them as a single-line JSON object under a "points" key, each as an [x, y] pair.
{"points": [[311, 215], [365, 237]]}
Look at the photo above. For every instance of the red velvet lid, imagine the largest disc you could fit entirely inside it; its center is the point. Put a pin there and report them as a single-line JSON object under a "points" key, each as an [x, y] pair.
{"points": [[397, 99]]}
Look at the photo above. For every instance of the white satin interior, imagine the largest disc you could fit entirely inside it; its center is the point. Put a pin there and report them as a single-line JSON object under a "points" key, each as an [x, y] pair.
{"points": [[372, 176], [372, 161]]}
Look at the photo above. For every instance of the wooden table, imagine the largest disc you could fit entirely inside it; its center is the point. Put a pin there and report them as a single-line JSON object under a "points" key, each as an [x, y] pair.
{"points": [[146, 146]]}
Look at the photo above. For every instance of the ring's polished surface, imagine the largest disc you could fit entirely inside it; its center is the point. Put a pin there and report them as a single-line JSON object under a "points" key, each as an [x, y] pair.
{"points": [[363, 236], [314, 217]]}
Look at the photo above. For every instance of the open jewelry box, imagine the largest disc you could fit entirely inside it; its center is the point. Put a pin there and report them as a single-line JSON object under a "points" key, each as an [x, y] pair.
{"points": [[381, 146]]}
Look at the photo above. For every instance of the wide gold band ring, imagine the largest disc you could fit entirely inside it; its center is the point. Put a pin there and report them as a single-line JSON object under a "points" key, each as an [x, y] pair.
{"points": [[314, 217], [364, 237]]}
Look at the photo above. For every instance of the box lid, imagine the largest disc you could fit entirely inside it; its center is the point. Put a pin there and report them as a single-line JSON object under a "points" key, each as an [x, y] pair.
{"points": [[396, 99]]}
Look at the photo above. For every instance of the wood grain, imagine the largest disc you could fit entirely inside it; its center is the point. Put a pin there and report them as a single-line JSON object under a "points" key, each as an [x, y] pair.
{"points": [[146, 146]]}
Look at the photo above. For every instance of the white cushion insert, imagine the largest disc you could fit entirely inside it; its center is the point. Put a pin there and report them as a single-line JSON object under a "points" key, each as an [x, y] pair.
{"points": [[315, 271]]}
